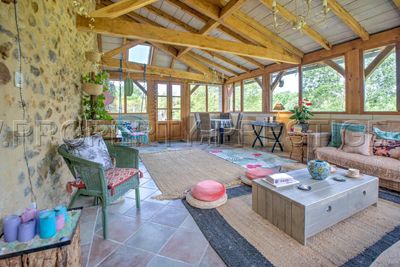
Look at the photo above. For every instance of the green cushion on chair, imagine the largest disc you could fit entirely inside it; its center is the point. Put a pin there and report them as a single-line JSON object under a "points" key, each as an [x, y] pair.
{"points": [[336, 127]]}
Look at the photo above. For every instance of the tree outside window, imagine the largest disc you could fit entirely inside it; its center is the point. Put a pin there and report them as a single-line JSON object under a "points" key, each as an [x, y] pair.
{"points": [[284, 88], [252, 95]]}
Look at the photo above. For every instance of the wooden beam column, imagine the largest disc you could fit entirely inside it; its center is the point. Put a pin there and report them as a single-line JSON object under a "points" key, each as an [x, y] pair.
{"points": [[354, 82]]}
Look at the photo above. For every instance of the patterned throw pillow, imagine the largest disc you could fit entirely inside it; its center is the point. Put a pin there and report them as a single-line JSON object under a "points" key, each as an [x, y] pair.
{"points": [[387, 148], [90, 148], [336, 128], [356, 142]]}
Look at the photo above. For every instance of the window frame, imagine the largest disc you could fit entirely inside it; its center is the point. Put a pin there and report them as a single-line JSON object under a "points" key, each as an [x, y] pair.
{"points": [[299, 81], [261, 96], [221, 87], [125, 109]]}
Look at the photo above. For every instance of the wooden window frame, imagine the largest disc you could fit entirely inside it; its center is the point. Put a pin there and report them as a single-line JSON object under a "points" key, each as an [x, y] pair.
{"points": [[221, 87], [125, 104]]}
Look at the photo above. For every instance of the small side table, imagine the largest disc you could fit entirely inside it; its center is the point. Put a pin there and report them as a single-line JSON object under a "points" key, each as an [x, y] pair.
{"points": [[298, 142], [304, 144]]}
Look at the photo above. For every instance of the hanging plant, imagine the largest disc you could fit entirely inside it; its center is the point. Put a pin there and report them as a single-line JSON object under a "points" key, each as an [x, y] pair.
{"points": [[128, 86], [95, 84]]}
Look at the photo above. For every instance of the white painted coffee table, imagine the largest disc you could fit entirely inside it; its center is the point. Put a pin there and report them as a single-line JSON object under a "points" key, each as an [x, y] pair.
{"points": [[302, 214]]}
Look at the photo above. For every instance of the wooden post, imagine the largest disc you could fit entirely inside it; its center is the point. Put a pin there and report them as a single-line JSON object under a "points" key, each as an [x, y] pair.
{"points": [[354, 82], [398, 74]]}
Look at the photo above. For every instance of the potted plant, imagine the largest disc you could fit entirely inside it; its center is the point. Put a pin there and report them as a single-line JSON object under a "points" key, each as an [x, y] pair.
{"points": [[301, 114], [95, 84]]}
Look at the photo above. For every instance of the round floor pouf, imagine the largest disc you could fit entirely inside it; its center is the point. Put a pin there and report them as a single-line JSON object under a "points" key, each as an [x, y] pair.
{"points": [[206, 204], [207, 194]]}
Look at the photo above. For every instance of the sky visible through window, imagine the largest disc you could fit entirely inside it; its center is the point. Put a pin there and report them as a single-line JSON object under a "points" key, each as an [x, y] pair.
{"points": [[139, 54]]}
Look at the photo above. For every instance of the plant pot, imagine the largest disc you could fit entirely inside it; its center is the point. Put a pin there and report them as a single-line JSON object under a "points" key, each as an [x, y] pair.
{"points": [[93, 89], [304, 126], [93, 56], [319, 169]]}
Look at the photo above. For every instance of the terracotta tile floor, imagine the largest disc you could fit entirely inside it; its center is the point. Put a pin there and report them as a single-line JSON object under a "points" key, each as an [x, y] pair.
{"points": [[161, 233]]}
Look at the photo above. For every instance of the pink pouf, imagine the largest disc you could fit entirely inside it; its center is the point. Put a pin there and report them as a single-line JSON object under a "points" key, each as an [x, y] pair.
{"points": [[258, 173], [208, 190]]}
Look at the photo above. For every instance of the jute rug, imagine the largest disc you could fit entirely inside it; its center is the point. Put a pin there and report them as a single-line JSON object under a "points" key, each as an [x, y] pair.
{"points": [[243, 238], [175, 172]]}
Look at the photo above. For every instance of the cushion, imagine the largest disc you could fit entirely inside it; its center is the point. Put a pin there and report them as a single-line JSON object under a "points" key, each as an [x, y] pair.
{"points": [[258, 173], [382, 167], [90, 148], [208, 190], [386, 135], [387, 148], [114, 176], [356, 142], [336, 127]]}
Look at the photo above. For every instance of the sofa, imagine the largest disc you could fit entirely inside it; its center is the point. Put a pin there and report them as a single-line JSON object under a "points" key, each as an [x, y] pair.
{"points": [[387, 169]]}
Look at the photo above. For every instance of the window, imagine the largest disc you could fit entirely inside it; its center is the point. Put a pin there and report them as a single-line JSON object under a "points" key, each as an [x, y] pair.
{"points": [[162, 102], [252, 95], [380, 79], [114, 90], [139, 54], [237, 103], [135, 103], [214, 98], [285, 88], [176, 102], [205, 98], [198, 98], [323, 83]]}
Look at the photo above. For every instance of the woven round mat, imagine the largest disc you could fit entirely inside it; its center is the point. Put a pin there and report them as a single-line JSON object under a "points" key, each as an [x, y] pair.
{"points": [[205, 205], [246, 180]]}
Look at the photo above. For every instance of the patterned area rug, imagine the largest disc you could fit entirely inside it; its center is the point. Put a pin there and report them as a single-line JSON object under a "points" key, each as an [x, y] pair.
{"points": [[250, 158], [243, 238]]}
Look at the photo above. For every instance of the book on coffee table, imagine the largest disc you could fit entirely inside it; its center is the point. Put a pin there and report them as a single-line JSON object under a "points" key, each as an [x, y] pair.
{"points": [[280, 180]]}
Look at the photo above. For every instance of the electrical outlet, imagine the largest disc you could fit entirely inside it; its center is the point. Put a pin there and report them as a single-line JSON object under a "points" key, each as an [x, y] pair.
{"points": [[19, 79]]}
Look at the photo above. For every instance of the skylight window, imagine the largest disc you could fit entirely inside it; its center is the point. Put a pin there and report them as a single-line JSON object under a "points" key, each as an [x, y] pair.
{"points": [[139, 54]]}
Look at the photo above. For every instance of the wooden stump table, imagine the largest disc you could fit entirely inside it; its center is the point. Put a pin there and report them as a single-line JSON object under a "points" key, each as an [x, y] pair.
{"points": [[302, 214]]}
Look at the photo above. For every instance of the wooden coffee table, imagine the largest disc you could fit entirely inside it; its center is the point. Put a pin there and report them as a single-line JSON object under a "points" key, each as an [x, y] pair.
{"points": [[302, 214]]}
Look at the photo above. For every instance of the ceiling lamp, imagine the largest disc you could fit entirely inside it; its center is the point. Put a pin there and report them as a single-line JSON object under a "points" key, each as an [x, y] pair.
{"points": [[302, 12]]}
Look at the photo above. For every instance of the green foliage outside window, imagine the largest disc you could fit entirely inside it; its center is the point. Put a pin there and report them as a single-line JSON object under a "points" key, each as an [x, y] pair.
{"points": [[198, 99], [252, 96]]}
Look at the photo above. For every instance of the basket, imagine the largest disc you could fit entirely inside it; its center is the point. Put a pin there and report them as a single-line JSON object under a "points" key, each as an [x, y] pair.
{"points": [[93, 56], [205, 205], [93, 89]]}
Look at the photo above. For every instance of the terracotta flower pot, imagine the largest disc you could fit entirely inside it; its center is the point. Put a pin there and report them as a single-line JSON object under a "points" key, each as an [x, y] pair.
{"points": [[93, 89], [93, 56]]}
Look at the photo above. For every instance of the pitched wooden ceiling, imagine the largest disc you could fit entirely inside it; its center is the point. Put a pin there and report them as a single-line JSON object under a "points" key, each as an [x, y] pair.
{"points": [[248, 22]]}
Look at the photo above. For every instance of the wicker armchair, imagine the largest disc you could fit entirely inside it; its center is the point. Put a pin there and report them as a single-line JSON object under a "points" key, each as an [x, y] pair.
{"points": [[95, 180]]}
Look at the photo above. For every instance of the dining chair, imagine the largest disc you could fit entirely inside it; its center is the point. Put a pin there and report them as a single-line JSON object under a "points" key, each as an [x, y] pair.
{"points": [[237, 129], [206, 131]]}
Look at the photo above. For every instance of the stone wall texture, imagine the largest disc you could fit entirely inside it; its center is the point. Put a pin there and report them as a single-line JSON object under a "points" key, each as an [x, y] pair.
{"points": [[52, 64]]}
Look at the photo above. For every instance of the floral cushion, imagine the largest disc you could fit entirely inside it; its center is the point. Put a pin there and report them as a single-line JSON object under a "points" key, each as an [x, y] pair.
{"points": [[387, 148], [115, 177], [90, 148]]}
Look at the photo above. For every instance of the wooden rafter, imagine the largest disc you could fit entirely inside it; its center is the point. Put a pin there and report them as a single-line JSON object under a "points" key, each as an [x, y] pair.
{"points": [[278, 78], [348, 19], [212, 63], [99, 43], [133, 67], [378, 60], [194, 89], [118, 50], [172, 64], [289, 16], [229, 61], [258, 81], [397, 3], [144, 90], [120, 8], [124, 28], [187, 27], [335, 66], [226, 11]]}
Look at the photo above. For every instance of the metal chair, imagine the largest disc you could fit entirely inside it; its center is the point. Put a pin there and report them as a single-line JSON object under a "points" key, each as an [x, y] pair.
{"points": [[206, 129], [94, 177]]}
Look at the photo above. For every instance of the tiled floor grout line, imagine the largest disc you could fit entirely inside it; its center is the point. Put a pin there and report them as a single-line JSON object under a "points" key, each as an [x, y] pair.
{"points": [[204, 253], [93, 234]]}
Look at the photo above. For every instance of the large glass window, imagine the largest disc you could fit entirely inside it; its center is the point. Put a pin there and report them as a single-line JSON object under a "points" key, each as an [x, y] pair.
{"points": [[198, 98], [237, 97], [137, 102], [323, 84], [252, 95], [284, 88], [205, 98], [380, 79], [114, 98]]}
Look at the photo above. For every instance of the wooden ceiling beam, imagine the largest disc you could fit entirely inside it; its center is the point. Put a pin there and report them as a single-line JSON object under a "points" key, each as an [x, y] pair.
{"points": [[231, 7], [120, 8], [212, 63], [289, 16], [247, 27], [133, 67], [348, 19], [335, 66], [118, 50], [124, 28], [397, 3], [229, 61], [378, 60]]}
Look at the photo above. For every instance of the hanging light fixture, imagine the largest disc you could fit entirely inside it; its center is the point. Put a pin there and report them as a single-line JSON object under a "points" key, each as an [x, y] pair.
{"points": [[302, 12]]}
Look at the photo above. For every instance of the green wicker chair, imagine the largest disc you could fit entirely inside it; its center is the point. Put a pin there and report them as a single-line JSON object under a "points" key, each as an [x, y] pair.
{"points": [[94, 177]]}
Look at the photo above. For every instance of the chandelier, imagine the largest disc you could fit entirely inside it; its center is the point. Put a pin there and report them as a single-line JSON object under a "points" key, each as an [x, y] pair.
{"points": [[302, 12]]}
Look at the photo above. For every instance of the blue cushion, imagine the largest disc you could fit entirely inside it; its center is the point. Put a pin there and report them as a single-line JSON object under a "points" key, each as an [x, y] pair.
{"points": [[336, 127], [387, 135]]}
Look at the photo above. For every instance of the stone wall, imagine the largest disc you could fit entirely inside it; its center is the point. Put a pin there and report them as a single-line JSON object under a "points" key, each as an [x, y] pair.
{"points": [[52, 64]]}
